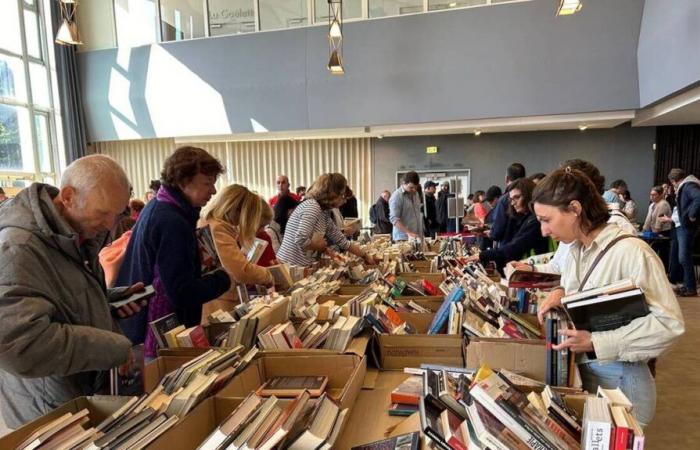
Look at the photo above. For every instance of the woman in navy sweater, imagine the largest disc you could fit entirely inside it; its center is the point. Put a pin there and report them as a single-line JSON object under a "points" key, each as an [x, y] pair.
{"points": [[163, 248], [528, 237]]}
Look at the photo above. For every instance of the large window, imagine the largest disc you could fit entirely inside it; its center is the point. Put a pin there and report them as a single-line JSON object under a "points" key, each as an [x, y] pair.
{"points": [[275, 14], [27, 134], [381, 8]]}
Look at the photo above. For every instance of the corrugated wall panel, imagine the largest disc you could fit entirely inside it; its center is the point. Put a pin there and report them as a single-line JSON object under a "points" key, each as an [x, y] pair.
{"points": [[257, 164]]}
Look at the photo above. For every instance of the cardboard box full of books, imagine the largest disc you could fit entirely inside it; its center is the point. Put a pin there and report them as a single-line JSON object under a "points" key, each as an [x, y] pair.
{"points": [[346, 374], [431, 302], [99, 407], [435, 278], [523, 356], [155, 370], [397, 351]]}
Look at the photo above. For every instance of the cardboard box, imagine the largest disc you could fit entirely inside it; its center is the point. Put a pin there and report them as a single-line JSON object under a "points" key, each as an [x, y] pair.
{"points": [[432, 302], [346, 374], [351, 289], [100, 407], [422, 266], [399, 351], [526, 357], [435, 278]]}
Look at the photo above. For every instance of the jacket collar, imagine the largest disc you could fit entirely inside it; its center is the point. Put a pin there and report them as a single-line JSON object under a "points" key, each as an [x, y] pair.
{"points": [[174, 196]]}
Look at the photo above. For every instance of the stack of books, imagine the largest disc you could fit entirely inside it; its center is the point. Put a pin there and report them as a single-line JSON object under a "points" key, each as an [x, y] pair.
{"points": [[384, 320], [265, 424], [201, 377], [459, 412], [608, 423], [282, 336], [405, 398], [606, 308]]}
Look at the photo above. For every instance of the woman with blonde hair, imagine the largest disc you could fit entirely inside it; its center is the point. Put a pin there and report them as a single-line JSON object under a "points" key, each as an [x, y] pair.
{"points": [[234, 217], [311, 227]]}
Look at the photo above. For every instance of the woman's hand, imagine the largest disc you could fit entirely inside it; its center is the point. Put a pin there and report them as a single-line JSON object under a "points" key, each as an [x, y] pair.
{"points": [[553, 300], [318, 243], [578, 341], [473, 258], [517, 265]]}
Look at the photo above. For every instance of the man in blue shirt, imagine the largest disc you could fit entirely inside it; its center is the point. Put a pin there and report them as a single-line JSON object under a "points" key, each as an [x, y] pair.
{"points": [[404, 209], [501, 229]]}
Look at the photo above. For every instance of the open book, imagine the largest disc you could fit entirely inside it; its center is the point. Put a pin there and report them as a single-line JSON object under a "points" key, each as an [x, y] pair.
{"points": [[529, 279]]}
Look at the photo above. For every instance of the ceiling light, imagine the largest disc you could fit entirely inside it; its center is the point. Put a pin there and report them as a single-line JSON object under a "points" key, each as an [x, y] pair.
{"points": [[68, 31], [452, 5], [335, 36], [335, 65], [335, 31], [583, 127], [568, 7], [477, 132]]}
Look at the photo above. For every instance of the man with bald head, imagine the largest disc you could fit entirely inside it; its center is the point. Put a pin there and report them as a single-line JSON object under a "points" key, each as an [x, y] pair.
{"points": [[282, 190], [57, 334]]}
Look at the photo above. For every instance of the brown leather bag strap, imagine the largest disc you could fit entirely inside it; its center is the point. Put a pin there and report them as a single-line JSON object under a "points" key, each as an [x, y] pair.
{"points": [[600, 256]]}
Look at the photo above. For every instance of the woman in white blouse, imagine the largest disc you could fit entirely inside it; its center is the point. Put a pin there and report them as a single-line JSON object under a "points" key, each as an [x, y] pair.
{"points": [[571, 211]]}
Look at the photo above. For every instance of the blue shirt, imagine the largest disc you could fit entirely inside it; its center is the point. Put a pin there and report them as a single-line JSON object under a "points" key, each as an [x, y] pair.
{"points": [[611, 197], [405, 206]]}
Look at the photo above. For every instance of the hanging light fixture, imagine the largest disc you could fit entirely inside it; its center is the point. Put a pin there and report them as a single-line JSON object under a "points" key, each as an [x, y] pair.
{"points": [[568, 7], [335, 36], [68, 31]]}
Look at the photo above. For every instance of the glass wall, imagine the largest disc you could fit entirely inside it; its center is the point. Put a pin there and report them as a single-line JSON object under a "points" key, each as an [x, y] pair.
{"points": [[142, 22], [26, 105], [276, 14], [383, 8], [136, 22], [231, 17], [182, 19]]}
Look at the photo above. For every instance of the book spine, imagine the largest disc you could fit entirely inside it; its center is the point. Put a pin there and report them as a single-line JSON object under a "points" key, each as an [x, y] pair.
{"points": [[620, 438], [531, 436], [548, 351], [596, 436]]}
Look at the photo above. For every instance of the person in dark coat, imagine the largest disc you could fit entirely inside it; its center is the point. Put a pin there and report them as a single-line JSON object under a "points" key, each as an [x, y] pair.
{"points": [[379, 214], [163, 249], [502, 230], [431, 223], [441, 206], [349, 209], [527, 236]]}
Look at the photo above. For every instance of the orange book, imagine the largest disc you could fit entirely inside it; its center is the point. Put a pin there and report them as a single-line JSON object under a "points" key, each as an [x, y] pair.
{"points": [[409, 392]]}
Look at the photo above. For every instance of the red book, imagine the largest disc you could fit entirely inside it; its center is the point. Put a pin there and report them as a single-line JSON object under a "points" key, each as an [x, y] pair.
{"points": [[621, 431], [198, 338], [430, 288]]}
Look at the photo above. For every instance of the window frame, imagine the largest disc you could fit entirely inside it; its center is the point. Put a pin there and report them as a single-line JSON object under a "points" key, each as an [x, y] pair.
{"points": [[36, 174]]}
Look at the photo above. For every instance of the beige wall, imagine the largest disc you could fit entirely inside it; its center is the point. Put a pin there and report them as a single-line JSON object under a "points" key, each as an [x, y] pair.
{"points": [[257, 164]]}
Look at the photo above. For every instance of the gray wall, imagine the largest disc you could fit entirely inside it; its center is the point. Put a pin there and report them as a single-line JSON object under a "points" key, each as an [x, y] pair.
{"points": [[498, 61], [621, 152], [669, 48]]}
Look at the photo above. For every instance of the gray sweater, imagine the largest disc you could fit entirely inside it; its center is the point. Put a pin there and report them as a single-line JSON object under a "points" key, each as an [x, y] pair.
{"points": [[56, 329]]}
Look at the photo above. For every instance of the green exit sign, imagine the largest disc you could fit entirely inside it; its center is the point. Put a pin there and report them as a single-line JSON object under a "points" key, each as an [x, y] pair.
{"points": [[431, 150]]}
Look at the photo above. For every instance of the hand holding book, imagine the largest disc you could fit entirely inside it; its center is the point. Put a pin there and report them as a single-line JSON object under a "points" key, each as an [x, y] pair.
{"points": [[578, 341], [552, 301]]}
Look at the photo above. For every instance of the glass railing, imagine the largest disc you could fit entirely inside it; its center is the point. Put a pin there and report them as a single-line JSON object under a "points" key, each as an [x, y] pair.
{"points": [[175, 20]]}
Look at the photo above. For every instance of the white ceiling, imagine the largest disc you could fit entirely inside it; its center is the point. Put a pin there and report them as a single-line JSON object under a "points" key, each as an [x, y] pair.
{"points": [[608, 119], [682, 109]]}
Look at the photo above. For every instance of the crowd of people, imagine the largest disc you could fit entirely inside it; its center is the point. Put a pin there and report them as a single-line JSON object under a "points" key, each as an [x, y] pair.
{"points": [[59, 333]]}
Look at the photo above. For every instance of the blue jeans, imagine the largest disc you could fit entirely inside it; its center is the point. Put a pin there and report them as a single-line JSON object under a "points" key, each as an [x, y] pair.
{"points": [[634, 379], [685, 237]]}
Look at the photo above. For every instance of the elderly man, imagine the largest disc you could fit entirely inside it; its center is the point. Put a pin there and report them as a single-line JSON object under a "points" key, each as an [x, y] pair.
{"points": [[57, 334], [283, 189]]}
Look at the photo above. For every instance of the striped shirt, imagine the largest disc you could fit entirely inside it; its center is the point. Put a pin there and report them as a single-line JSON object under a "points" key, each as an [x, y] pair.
{"points": [[307, 220]]}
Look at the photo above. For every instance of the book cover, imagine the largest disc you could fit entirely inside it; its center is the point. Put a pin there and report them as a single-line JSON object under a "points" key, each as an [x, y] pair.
{"points": [[161, 326], [408, 392], [293, 386]]}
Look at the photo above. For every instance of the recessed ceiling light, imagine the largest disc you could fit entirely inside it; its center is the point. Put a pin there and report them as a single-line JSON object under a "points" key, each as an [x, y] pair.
{"points": [[452, 5], [477, 132], [582, 127], [568, 7]]}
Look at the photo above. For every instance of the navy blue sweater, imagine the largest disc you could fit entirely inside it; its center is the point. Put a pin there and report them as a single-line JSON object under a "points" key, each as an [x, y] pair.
{"points": [[527, 238], [164, 238]]}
